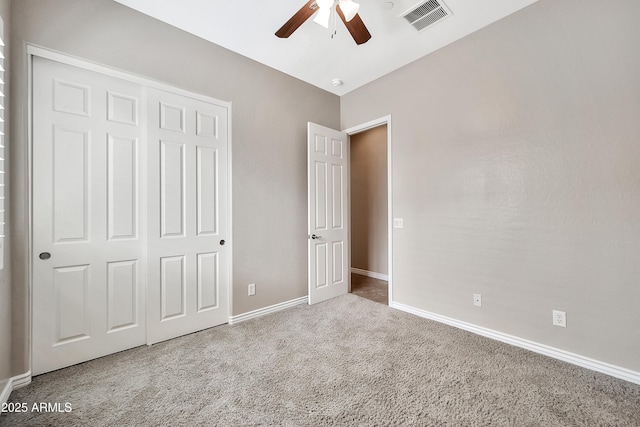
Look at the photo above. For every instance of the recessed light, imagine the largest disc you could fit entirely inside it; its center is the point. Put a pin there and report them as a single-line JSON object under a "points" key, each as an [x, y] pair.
{"points": [[388, 5]]}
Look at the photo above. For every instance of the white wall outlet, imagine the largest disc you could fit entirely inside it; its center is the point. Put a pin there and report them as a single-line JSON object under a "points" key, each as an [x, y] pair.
{"points": [[251, 289], [398, 223], [560, 318], [477, 300]]}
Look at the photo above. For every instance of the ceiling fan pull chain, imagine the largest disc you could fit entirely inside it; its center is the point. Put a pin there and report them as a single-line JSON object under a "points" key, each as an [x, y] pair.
{"points": [[335, 22]]}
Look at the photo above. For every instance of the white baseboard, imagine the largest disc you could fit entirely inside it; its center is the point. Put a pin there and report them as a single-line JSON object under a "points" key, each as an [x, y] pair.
{"points": [[22, 380], [6, 392], [267, 310], [13, 384], [371, 274], [565, 356]]}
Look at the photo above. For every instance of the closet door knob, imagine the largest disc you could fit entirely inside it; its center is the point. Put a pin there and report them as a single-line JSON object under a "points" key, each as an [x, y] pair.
{"points": [[44, 255]]}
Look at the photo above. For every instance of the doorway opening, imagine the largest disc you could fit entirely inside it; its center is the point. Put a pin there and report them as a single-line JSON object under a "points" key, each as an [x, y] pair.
{"points": [[370, 213]]}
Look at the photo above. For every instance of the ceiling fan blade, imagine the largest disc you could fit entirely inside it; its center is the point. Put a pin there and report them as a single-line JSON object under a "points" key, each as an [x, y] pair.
{"points": [[356, 27], [297, 19]]}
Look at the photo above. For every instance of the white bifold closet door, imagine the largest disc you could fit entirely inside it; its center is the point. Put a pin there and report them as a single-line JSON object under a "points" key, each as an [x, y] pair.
{"points": [[188, 224], [88, 238], [129, 207]]}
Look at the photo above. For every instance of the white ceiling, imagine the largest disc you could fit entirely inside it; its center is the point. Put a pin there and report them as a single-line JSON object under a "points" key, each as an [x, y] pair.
{"points": [[310, 54]]}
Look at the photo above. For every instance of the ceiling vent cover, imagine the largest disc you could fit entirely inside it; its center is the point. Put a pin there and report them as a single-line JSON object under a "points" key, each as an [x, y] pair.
{"points": [[426, 14]]}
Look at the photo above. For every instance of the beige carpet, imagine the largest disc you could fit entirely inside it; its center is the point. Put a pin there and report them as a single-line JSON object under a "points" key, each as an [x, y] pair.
{"points": [[348, 361]]}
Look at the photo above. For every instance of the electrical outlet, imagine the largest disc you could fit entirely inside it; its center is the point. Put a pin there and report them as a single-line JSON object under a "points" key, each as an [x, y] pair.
{"points": [[398, 223], [559, 318], [251, 289], [477, 300]]}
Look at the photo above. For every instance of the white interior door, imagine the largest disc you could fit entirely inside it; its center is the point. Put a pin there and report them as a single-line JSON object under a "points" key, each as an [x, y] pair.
{"points": [[88, 243], [130, 215], [328, 219], [188, 227]]}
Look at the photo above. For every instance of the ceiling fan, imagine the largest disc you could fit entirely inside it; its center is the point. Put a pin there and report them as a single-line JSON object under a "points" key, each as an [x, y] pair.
{"points": [[347, 10]]}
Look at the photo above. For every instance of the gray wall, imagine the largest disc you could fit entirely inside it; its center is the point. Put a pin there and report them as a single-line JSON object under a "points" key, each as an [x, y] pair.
{"points": [[516, 168], [5, 278], [270, 113], [369, 230]]}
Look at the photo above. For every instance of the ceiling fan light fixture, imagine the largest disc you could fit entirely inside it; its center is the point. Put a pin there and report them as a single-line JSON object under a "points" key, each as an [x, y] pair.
{"points": [[322, 11], [322, 17], [349, 8]]}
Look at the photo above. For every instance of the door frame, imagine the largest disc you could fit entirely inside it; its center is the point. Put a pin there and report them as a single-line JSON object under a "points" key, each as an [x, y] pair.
{"points": [[32, 51], [385, 120]]}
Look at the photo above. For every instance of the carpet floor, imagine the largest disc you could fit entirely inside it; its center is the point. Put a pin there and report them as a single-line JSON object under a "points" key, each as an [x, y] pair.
{"points": [[348, 361]]}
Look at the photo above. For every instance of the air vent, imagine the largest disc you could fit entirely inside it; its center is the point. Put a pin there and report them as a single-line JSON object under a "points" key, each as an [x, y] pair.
{"points": [[426, 14]]}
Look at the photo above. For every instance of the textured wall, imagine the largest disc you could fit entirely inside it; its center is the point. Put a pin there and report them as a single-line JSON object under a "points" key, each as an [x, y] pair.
{"points": [[5, 278], [516, 160], [269, 109], [369, 226]]}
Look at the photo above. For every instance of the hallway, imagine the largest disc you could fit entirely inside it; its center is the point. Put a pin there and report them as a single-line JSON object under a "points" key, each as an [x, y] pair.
{"points": [[367, 287]]}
